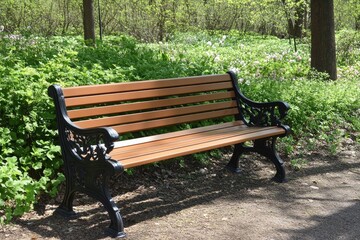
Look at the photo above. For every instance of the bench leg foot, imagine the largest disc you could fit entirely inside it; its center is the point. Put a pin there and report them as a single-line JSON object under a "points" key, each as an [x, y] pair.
{"points": [[93, 180], [234, 165], [97, 187], [66, 207], [65, 212], [115, 234], [266, 147], [116, 228]]}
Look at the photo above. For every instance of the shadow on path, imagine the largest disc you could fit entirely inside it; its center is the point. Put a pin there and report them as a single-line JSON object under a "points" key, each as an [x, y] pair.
{"points": [[145, 199], [344, 224]]}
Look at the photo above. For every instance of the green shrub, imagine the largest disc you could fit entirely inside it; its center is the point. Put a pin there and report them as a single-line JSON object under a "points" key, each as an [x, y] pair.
{"points": [[320, 109], [29, 152], [348, 46]]}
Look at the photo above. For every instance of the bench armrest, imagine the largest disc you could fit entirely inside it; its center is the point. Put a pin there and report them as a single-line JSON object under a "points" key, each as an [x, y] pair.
{"points": [[91, 144], [260, 113]]}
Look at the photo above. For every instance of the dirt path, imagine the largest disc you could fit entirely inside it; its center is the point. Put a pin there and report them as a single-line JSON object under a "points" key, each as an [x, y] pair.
{"points": [[321, 201]]}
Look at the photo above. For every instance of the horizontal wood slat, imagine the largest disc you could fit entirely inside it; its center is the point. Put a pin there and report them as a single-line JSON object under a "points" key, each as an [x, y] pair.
{"points": [[132, 127], [117, 97], [178, 142], [146, 116], [164, 136], [144, 105], [200, 146], [142, 85]]}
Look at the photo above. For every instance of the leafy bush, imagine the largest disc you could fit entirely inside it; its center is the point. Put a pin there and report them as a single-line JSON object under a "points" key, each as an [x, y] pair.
{"points": [[268, 69], [348, 46], [29, 151]]}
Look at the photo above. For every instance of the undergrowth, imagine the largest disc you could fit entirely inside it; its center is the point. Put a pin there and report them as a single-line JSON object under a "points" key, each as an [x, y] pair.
{"points": [[322, 111]]}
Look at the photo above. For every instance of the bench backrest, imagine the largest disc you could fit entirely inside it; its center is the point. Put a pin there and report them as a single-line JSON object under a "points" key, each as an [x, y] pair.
{"points": [[141, 105]]}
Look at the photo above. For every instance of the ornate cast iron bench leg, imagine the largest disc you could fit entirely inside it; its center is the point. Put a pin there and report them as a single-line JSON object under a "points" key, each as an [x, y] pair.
{"points": [[266, 147], [66, 207], [92, 178], [234, 164]]}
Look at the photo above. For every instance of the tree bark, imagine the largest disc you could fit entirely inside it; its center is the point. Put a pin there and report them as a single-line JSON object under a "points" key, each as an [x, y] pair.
{"points": [[89, 23], [295, 26], [323, 55]]}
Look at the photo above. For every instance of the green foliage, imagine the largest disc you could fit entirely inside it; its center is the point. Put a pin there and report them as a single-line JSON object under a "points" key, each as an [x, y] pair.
{"points": [[268, 69], [319, 109], [298, 163], [29, 152], [156, 20], [29, 156], [348, 46]]}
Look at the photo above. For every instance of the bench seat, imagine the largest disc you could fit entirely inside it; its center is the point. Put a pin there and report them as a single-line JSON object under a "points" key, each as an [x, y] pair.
{"points": [[140, 151]]}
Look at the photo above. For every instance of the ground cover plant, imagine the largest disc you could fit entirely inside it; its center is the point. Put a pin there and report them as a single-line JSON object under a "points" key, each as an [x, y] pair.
{"points": [[268, 68]]}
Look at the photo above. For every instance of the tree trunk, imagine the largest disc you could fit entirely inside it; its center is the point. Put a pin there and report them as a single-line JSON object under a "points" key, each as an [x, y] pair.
{"points": [[323, 55], [299, 21], [295, 23], [357, 22], [89, 25]]}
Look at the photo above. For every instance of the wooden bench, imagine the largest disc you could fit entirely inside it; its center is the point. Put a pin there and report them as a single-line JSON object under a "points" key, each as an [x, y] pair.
{"points": [[91, 118]]}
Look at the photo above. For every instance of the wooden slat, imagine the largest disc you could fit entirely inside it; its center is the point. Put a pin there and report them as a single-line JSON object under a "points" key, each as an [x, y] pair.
{"points": [[142, 85], [132, 127], [199, 147], [144, 105], [146, 116], [117, 97], [178, 142], [164, 136]]}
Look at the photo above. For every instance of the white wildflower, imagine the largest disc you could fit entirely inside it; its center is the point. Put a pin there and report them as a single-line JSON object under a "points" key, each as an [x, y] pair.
{"points": [[2, 28], [222, 40], [242, 63], [235, 70], [209, 43]]}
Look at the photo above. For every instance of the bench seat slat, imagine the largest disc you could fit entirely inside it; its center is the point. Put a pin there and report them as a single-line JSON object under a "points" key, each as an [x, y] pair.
{"points": [[136, 106], [145, 116], [177, 142], [132, 142], [134, 95], [142, 85], [199, 146], [138, 126]]}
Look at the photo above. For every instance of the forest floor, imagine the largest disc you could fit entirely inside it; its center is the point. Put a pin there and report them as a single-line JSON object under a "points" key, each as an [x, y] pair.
{"points": [[319, 201]]}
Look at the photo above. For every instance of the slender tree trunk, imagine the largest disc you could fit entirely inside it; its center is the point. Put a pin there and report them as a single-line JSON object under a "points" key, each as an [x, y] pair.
{"points": [[299, 22], [295, 26], [323, 55], [89, 25], [66, 12], [357, 22]]}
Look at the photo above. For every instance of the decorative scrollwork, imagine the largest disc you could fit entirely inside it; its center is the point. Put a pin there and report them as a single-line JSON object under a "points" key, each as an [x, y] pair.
{"points": [[87, 147], [79, 176], [82, 180], [267, 115]]}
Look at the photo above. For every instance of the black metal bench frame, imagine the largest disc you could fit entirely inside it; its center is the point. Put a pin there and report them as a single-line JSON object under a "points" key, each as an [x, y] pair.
{"points": [[88, 165]]}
